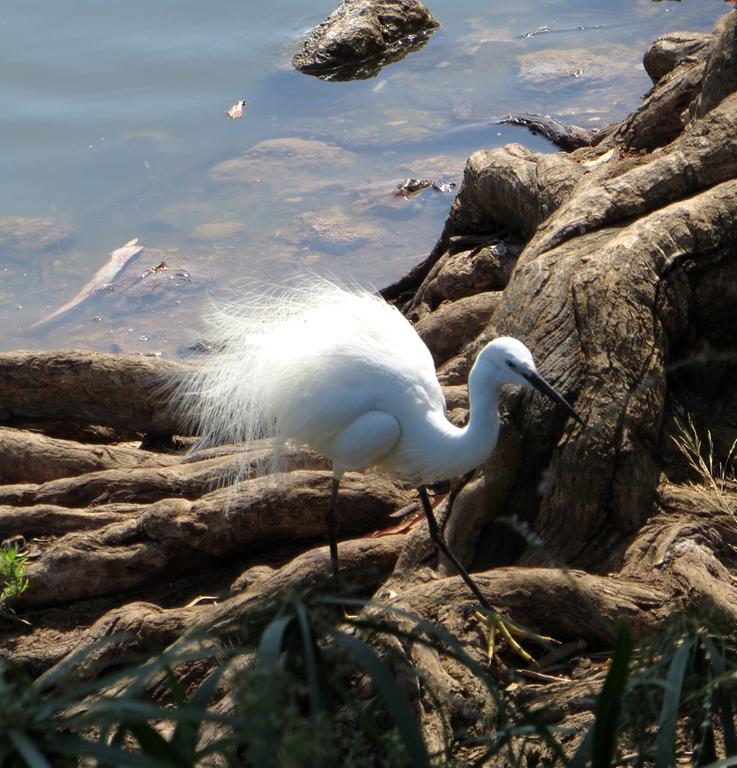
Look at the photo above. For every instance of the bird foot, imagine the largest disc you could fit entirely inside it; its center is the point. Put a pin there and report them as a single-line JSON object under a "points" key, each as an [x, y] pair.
{"points": [[501, 627]]}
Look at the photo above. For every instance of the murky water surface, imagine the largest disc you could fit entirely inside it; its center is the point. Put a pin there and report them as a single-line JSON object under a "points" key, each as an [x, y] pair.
{"points": [[113, 126]]}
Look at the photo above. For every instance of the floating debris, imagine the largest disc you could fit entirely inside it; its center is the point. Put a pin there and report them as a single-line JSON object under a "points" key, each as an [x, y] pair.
{"points": [[160, 267], [237, 110], [443, 186], [539, 31], [411, 187], [544, 29], [101, 281]]}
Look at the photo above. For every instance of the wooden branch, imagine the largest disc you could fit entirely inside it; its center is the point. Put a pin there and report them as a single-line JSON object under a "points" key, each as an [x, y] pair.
{"points": [[365, 562], [52, 520], [118, 485], [565, 605], [190, 477], [90, 388], [32, 457], [177, 535], [447, 330]]}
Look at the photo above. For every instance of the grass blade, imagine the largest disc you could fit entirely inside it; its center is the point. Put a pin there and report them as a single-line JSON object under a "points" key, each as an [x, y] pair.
{"points": [[272, 640], [665, 743], [105, 754], [705, 750], [155, 746], [310, 654], [28, 750], [394, 699], [609, 703], [134, 710], [723, 698], [583, 753], [184, 738]]}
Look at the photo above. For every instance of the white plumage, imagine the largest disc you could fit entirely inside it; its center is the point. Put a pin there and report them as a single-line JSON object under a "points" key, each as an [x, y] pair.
{"points": [[306, 362], [344, 372]]}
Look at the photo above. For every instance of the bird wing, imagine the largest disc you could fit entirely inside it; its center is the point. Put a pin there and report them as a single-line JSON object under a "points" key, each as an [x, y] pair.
{"points": [[364, 441], [307, 362]]}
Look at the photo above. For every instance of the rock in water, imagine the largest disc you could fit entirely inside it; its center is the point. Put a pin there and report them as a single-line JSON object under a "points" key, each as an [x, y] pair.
{"points": [[360, 36], [25, 233]]}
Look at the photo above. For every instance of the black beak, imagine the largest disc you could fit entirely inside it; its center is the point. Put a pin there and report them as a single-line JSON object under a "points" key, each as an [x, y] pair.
{"points": [[539, 383]]}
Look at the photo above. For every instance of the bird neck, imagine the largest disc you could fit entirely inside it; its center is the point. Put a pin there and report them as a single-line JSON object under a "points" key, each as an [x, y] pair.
{"points": [[482, 431], [439, 450]]}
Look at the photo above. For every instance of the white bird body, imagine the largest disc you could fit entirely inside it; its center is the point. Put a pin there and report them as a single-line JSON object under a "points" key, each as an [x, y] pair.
{"points": [[344, 372], [396, 423]]}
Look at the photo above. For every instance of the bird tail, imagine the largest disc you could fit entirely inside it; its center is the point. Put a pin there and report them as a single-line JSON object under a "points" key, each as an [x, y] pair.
{"points": [[265, 349]]}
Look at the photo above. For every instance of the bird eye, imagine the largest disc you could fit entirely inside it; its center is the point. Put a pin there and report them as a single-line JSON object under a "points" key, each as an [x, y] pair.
{"points": [[512, 365]]}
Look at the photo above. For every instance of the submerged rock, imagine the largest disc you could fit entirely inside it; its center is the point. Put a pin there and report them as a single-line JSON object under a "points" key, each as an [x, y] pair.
{"points": [[286, 163], [335, 230], [30, 234], [360, 36], [597, 66]]}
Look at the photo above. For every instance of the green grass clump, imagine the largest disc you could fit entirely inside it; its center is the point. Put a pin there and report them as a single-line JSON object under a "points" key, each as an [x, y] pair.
{"points": [[317, 694], [12, 576]]}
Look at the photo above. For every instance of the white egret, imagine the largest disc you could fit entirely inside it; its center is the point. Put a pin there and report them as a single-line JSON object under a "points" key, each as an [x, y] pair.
{"points": [[344, 372]]}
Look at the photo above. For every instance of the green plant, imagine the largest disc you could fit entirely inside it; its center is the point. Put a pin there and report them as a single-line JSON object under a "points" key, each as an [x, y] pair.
{"points": [[673, 697], [298, 706], [51, 722], [317, 665], [599, 746], [681, 694], [12, 574], [321, 691]]}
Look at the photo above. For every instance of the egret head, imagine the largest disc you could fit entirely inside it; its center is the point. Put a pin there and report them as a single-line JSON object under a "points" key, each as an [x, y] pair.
{"points": [[511, 363]]}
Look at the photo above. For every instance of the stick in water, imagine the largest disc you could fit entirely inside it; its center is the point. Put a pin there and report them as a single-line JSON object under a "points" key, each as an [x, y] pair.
{"points": [[104, 276]]}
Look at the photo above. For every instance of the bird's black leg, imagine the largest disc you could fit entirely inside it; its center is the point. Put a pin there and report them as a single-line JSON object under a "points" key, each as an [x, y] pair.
{"points": [[437, 537], [332, 526], [496, 623]]}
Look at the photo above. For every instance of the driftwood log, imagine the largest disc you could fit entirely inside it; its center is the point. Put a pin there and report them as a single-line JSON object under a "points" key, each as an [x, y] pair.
{"points": [[616, 263]]}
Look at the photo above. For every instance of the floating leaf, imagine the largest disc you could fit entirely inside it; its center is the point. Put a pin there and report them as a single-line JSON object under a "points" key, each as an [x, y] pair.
{"points": [[237, 110]]}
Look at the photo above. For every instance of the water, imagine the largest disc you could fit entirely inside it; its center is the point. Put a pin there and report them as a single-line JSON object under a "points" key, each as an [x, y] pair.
{"points": [[113, 127]]}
